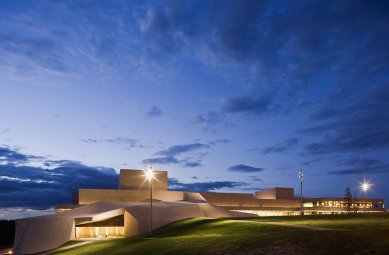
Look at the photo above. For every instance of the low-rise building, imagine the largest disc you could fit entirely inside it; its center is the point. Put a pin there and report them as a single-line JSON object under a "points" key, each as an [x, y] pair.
{"points": [[130, 211]]}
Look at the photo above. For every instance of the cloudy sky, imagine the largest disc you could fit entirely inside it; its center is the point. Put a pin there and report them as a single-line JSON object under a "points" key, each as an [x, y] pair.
{"points": [[225, 95]]}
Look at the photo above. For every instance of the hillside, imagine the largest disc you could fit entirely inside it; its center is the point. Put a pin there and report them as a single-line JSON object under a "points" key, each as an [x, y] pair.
{"points": [[366, 234]]}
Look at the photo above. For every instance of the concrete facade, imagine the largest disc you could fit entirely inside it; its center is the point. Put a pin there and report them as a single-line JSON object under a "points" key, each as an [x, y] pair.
{"points": [[275, 193]]}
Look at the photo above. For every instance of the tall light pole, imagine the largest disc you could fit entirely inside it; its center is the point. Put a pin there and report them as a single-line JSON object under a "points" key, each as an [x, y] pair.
{"points": [[150, 176], [301, 176], [365, 186]]}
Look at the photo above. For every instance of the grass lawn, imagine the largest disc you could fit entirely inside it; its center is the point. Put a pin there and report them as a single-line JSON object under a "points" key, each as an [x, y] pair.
{"points": [[365, 234]]}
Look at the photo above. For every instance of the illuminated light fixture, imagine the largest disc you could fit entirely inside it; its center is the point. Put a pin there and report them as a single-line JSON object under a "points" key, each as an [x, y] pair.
{"points": [[149, 173], [365, 186]]}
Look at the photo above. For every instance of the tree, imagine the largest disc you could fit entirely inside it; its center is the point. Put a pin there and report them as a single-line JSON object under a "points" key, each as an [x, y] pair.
{"points": [[348, 199]]}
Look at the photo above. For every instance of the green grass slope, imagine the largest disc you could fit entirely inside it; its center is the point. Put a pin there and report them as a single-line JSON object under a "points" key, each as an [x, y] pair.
{"points": [[365, 234]]}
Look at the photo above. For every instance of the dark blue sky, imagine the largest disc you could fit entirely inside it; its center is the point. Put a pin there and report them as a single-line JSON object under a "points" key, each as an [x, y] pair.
{"points": [[225, 95]]}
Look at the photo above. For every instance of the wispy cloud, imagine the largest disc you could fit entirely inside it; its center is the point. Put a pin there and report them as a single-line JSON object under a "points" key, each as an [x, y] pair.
{"points": [[178, 154], [211, 121], [245, 104], [245, 168], [4, 131], [362, 125], [177, 150], [131, 143], [362, 167], [153, 112], [8, 155], [281, 147]]}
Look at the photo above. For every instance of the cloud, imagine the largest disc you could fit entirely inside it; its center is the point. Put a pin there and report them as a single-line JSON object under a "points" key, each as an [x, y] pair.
{"points": [[211, 120], [89, 140], [174, 184], [322, 114], [246, 104], [176, 155], [8, 155], [245, 168], [162, 160], [318, 129], [51, 184], [255, 178], [4, 131], [281, 147], [223, 141], [271, 46], [362, 167], [361, 126], [131, 143], [220, 141], [153, 112], [14, 213], [256, 43], [177, 150], [41, 50], [193, 164]]}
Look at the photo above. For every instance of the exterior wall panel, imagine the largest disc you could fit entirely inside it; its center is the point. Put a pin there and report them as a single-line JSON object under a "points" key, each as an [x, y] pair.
{"points": [[90, 196]]}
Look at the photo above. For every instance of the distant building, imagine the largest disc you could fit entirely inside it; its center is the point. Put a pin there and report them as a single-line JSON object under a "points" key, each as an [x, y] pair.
{"points": [[125, 212]]}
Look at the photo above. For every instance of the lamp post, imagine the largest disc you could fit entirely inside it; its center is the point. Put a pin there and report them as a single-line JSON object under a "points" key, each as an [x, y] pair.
{"points": [[150, 176], [365, 186], [301, 176]]}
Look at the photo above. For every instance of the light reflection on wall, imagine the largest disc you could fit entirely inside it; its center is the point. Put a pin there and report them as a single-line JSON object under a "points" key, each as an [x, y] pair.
{"points": [[99, 232]]}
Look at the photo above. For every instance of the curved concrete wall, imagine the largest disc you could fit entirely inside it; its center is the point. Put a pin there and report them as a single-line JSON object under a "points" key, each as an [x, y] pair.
{"points": [[39, 234]]}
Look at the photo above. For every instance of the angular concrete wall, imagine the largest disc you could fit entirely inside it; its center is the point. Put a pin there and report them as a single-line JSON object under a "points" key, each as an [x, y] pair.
{"points": [[90, 196], [275, 193], [238, 201], [131, 226], [34, 235]]}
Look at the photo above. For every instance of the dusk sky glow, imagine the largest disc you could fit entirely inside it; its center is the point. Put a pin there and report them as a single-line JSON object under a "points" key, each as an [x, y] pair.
{"points": [[225, 95]]}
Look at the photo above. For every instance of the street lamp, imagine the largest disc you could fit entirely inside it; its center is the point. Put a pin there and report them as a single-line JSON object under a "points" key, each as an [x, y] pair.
{"points": [[150, 176], [301, 176], [365, 186]]}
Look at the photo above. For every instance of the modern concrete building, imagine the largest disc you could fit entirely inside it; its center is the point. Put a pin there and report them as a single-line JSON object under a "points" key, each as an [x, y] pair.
{"points": [[125, 212]]}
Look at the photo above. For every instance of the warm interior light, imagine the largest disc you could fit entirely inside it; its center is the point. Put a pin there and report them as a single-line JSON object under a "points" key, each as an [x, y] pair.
{"points": [[365, 186], [149, 173]]}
